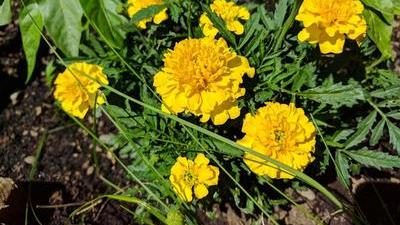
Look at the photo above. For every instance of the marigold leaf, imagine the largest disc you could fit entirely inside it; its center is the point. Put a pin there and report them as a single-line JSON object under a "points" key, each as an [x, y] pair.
{"points": [[104, 18], [380, 30], [147, 12], [31, 25], [362, 131], [342, 168], [394, 133], [377, 133], [62, 19], [335, 94], [375, 159], [5, 12]]}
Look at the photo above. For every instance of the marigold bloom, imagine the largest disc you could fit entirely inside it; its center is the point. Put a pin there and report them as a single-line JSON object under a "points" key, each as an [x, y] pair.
{"points": [[202, 76], [329, 22], [230, 13], [198, 175], [137, 5], [281, 132], [76, 88]]}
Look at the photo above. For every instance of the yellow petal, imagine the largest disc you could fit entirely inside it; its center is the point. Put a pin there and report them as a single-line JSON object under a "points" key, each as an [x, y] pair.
{"points": [[160, 17], [200, 190], [201, 159]]}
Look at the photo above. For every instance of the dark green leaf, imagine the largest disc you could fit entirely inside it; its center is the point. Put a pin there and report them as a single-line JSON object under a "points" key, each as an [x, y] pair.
{"points": [[394, 133], [335, 94], [377, 133], [148, 12], [385, 93], [363, 128], [375, 159], [103, 16], [280, 12], [227, 149], [342, 168], [31, 25], [5, 12], [250, 28]]}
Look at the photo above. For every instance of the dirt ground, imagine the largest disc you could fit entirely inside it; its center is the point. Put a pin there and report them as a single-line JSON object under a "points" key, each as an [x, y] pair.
{"points": [[65, 173]]}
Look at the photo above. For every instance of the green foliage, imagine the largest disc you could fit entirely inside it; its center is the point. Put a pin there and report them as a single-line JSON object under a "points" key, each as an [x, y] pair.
{"points": [[380, 16], [103, 15], [62, 19], [31, 26], [5, 12], [375, 159]]}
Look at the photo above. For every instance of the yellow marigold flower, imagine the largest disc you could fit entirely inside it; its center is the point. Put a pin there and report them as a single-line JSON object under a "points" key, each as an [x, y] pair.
{"points": [[198, 175], [329, 22], [77, 86], [202, 76], [281, 132], [137, 5], [230, 13]]}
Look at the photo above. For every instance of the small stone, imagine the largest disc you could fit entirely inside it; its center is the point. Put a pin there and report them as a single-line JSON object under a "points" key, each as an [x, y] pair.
{"points": [[38, 110], [25, 132], [308, 194], [90, 171], [29, 160], [34, 133], [85, 165], [6, 186], [14, 97]]}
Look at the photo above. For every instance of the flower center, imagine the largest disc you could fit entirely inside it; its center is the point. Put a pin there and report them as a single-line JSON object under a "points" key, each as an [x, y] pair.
{"points": [[279, 136], [189, 177]]}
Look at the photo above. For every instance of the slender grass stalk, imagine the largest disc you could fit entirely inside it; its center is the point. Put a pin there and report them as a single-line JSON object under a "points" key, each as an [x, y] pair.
{"points": [[288, 23]]}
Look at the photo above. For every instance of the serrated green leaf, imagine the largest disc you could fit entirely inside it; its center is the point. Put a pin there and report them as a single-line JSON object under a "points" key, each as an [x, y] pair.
{"points": [[385, 93], [342, 168], [375, 159], [5, 12], [395, 115], [377, 133], [103, 16], [62, 19], [31, 26], [380, 30], [335, 94], [251, 25], [280, 12], [363, 128], [394, 133]]}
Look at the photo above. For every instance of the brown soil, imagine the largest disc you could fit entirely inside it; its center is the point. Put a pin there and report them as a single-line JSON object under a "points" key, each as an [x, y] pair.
{"points": [[65, 171]]}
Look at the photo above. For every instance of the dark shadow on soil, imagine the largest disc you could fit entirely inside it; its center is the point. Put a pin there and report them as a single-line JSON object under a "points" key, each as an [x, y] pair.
{"points": [[379, 202], [37, 193]]}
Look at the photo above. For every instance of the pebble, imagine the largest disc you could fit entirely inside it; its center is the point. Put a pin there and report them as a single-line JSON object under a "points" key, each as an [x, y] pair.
{"points": [[308, 194], [29, 160]]}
